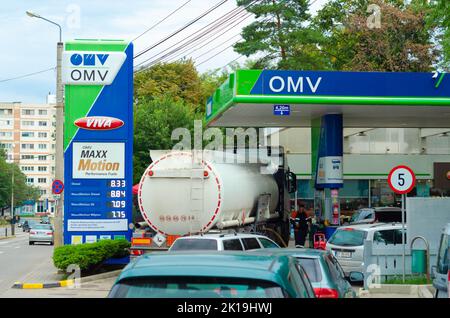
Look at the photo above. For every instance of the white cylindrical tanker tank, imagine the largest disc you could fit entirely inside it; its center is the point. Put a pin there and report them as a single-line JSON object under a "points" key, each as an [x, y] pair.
{"points": [[177, 199]]}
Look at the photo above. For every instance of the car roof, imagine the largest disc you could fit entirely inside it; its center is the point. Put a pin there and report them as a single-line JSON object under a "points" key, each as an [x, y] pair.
{"points": [[219, 236], [210, 264], [295, 252], [371, 226]]}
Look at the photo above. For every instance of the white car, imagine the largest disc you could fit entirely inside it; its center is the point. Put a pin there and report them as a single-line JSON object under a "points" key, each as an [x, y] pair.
{"points": [[222, 242], [347, 242]]}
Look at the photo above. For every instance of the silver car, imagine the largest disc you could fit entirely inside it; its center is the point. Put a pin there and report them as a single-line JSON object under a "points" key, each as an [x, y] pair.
{"points": [[41, 233]]}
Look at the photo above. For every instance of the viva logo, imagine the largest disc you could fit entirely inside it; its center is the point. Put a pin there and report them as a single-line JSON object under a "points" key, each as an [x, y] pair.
{"points": [[99, 123]]}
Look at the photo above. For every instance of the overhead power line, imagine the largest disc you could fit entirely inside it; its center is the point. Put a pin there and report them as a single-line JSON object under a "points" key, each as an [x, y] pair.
{"points": [[162, 20], [226, 23], [27, 75], [217, 5], [184, 47], [197, 34], [217, 54]]}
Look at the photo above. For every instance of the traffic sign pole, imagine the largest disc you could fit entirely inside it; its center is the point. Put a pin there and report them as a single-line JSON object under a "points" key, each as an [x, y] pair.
{"points": [[402, 180], [403, 235]]}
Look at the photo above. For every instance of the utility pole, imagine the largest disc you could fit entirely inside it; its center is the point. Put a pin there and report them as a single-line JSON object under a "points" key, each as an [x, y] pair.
{"points": [[59, 147]]}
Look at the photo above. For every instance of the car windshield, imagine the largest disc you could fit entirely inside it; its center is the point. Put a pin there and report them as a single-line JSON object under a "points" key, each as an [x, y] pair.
{"points": [[312, 268], [194, 244], [41, 227], [348, 237], [196, 287]]}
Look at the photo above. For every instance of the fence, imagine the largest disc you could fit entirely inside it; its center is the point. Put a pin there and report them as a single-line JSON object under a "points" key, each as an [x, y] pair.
{"points": [[382, 262]]}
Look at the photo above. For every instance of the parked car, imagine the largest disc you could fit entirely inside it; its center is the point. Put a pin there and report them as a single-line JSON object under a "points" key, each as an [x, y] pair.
{"points": [[442, 269], [323, 270], [222, 242], [379, 214], [212, 275], [347, 242], [41, 233]]}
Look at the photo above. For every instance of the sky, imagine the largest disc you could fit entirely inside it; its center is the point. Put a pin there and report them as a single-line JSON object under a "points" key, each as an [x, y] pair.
{"points": [[29, 44]]}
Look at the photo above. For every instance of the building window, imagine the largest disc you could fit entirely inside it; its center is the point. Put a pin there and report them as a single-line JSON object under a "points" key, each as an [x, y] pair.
{"points": [[5, 134], [42, 135], [27, 134], [28, 123], [41, 206], [42, 123], [42, 192], [4, 111], [42, 146], [42, 158], [5, 146], [42, 169], [27, 168], [42, 112], [27, 111], [27, 146], [42, 180], [27, 157], [30, 180]]}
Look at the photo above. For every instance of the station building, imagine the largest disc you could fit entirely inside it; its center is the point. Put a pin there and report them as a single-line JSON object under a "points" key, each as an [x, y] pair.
{"points": [[369, 154], [27, 135]]}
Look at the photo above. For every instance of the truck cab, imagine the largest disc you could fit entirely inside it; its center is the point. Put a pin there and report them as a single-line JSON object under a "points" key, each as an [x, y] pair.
{"points": [[442, 270]]}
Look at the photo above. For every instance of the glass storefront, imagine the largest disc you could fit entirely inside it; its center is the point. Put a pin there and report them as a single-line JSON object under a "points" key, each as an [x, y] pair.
{"points": [[355, 194]]}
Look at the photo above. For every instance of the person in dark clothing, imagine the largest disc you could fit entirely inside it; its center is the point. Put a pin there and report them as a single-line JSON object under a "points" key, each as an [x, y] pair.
{"points": [[299, 219]]}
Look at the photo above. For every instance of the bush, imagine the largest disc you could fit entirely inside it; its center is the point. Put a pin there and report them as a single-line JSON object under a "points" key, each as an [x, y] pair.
{"points": [[89, 255]]}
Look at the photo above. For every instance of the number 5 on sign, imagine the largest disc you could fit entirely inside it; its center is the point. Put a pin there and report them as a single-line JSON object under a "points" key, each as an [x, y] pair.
{"points": [[401, 179]]}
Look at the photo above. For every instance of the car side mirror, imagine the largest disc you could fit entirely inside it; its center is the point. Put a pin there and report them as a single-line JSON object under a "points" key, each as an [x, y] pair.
{"points": [[292, 182], [354, 277]]}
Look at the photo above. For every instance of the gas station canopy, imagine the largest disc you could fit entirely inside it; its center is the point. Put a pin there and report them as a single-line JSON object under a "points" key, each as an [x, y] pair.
{"points": [[268, 98]]}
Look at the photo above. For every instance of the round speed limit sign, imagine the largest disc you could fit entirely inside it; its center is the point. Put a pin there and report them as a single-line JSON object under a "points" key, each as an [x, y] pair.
{"points": [[401, 179]]}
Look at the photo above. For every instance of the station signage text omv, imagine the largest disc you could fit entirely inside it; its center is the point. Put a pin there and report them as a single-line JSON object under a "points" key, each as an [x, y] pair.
{"points": [[91, 68], [280, 82]]}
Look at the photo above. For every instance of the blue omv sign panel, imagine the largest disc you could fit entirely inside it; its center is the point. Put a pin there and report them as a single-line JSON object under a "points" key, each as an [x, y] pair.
{"points": [[98, 140], [380, 84]]}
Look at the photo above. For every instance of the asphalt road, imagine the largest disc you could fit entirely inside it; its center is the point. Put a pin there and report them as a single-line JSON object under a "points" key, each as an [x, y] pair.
{"points": [[22, 262]]}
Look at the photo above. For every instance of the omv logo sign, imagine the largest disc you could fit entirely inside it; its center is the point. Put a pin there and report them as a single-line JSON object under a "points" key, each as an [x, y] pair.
{"points": [[88, 59], [91, 68]]}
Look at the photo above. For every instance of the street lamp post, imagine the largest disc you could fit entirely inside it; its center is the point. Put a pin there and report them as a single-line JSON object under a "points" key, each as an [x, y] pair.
{"points": [[59, 148], [13, 224]]}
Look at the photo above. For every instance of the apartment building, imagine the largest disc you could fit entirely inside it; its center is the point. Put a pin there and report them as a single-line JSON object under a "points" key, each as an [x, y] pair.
{"points": [[27, 134]]}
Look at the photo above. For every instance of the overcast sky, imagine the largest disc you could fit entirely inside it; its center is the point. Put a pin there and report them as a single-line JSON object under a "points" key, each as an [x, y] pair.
{"points": [[29, 44]]}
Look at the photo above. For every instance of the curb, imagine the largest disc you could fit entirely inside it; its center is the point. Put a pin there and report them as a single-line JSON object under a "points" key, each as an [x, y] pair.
{"points": [[61, 283], [7, 237], [66, 283]]}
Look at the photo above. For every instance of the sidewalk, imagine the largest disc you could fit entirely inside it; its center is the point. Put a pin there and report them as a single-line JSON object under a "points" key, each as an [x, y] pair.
{"points": [[93, 289]]}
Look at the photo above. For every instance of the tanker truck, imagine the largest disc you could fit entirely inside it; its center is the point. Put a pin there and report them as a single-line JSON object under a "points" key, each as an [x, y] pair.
{"points": [[243, 190]]}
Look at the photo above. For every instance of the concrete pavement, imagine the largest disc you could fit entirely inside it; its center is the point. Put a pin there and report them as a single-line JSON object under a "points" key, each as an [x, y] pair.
{"points": [[25, 263]]}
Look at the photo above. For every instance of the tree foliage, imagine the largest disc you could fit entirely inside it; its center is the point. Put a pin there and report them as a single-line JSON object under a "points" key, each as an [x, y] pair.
{"points": [[401, 41], [342, 37], [281, 32], [22, 191]]}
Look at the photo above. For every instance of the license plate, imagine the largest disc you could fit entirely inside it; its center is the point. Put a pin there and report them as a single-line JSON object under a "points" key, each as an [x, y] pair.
{"points": [[344, 254]]}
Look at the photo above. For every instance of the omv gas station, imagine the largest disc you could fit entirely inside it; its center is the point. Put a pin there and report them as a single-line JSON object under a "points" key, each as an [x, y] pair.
{"points": [[321, 116]]}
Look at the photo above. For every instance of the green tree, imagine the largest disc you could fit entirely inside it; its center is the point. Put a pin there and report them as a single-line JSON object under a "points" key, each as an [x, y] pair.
{"points": [[282, 35], [401, 41], [22, 191], [154, 121], [439, 18], [179, 79]]}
